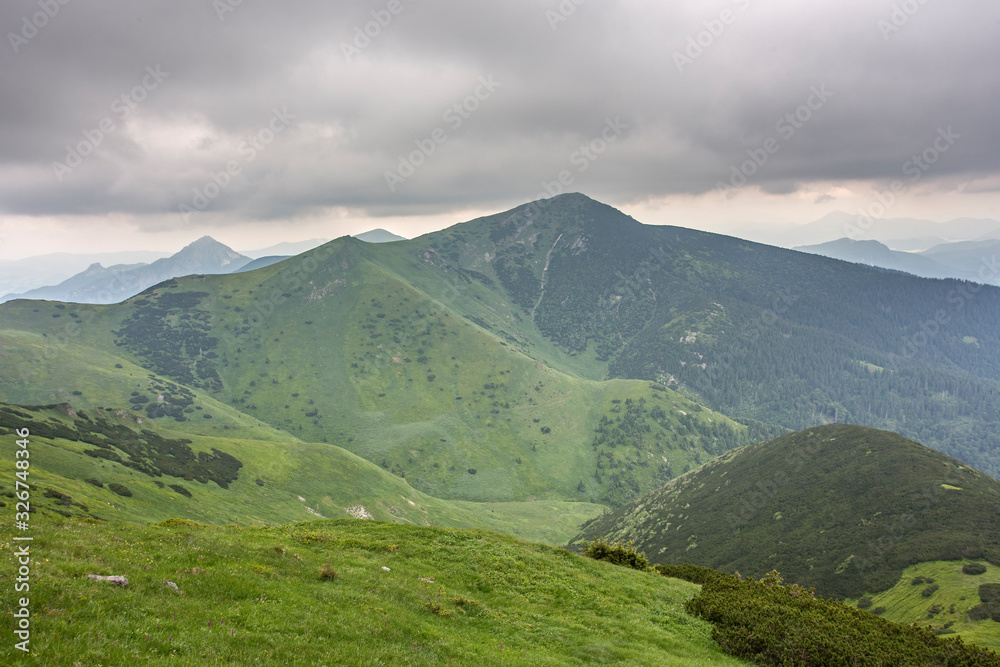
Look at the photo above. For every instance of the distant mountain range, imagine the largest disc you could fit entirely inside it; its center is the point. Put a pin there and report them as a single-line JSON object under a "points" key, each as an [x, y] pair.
{"points": [[98, 284], [526, 371], [770, 337], [965, 260], [285, 248], [18, 276], [139, 270], [908, 234]]}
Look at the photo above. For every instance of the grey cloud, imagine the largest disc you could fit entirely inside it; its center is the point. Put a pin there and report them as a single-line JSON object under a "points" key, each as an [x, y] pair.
{"points": [[355, 119]]}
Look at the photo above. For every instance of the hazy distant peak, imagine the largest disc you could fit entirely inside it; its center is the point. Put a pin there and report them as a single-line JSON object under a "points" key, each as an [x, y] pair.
{"points": [[379, 236], [206, 246]]}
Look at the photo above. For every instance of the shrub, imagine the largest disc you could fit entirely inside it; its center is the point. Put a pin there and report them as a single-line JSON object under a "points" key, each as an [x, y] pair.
{"points": [[59, 496], [990, 596], [865, 602], [773, 624], [696, 574], [180, 489], [974, 568], [618, 554], [120, 489], [96, 482], [929, 591], [327, 572]]}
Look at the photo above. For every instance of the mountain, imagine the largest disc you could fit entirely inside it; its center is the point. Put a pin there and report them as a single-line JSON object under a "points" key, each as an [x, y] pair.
{"points": [[261, 262], [977, 258], [838, 224], [80, 283], [840, 508], [963, 260], [22, 275], [874, 253], [560, 351], [285, 248], [378, 236], [100, 285]]}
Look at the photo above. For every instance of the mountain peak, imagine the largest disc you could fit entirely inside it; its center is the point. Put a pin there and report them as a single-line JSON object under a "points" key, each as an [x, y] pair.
{"points": [[204, 241], [206, 246], [378, 236]]}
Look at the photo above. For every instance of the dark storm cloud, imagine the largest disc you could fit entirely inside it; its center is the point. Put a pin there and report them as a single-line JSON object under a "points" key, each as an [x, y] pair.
{"points": [[827, 90]]}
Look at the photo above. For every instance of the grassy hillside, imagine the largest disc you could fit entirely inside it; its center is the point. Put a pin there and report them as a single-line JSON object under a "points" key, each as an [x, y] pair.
{"points": [[939, 595], [318, 593], [840, 508], [753, 331], [333, 347], [78, 457]]}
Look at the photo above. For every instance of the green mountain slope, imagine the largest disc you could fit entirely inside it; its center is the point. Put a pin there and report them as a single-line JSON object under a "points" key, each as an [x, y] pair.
{"points": [[939, 595], [333, 347], [753, 331], [343, 593], [117, 465], [560, 351], [840, 508]]}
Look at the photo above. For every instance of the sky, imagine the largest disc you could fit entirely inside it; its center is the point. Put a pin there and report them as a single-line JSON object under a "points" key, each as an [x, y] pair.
{"points": [[146, 124]]}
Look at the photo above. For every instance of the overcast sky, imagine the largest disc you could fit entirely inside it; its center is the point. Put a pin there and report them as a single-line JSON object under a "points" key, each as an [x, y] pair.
{"points": [[140, 124]]}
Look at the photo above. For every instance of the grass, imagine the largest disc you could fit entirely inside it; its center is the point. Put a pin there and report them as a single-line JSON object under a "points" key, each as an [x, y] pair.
{"points": [[280, 482], [956, 594], [552, 522], [265, 595], [357, 350]]}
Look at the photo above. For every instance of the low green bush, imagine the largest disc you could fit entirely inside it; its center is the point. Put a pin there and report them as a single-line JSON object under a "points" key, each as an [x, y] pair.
{"points": [[619, 554], [770, 623], [974, 568], [120, 489]]}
